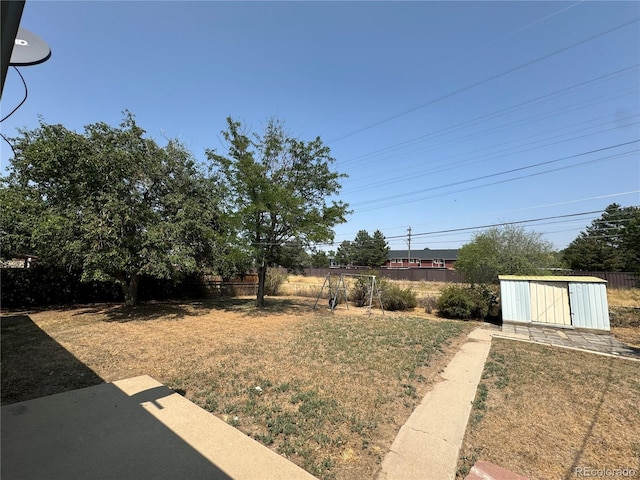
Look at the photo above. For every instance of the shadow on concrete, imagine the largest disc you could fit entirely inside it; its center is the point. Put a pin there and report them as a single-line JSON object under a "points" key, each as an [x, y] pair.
{"points": [[101, 432], [35, 365]]}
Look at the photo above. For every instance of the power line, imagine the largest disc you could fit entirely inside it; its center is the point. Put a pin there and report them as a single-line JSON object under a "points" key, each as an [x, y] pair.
{"points": [[526, 27], [464, 231], [503, 153], [548, 162], [496, 113], [520, 222], [445, 164], [610, 157], [599, 197], [482, 82]]}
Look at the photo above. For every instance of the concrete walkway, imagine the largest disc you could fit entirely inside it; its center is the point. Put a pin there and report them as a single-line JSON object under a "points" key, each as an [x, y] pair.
{"points": [[427, 446], [130, 429]]}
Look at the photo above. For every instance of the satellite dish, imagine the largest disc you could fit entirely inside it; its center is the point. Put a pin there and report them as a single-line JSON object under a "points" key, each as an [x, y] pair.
{"points": [[29, 49]]}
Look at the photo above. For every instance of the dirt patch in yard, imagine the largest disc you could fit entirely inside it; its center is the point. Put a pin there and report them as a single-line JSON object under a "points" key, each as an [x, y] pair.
{"points": [[329, 390]]}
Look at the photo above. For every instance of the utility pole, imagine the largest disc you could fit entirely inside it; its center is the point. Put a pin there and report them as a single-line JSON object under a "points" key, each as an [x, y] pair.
{"points": [[409, 243]]}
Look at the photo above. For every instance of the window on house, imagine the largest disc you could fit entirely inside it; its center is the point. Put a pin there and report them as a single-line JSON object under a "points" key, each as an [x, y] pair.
{"points": [[437, 263]]}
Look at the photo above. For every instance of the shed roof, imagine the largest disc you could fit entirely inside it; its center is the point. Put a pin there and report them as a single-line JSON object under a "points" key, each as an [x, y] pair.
{"points": [[553, 278]]}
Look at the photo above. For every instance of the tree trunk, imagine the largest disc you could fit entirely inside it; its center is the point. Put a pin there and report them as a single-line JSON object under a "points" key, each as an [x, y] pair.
{"points": [[262, 278], [129, 284]]}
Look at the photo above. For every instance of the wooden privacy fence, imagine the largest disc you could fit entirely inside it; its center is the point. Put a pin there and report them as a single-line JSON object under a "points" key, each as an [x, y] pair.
{"points": [[411, 274], [215, 286], [614, 279], [230, 289]]}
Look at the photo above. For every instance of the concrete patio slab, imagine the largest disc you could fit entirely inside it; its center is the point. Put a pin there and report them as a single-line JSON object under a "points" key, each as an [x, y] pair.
{"points": [[134, 429], [602, 343]]}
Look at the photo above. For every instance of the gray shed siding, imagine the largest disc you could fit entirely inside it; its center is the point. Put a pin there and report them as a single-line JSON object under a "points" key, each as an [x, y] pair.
{"points": [[589, 305], [516, 301], [587, 299]]}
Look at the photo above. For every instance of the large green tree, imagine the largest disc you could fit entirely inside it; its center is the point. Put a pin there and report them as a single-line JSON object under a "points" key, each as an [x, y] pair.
{"points": [[279, 189], [364, 250], [611, 243], [344, 255], [111, 202], [320, 258], [369, 250], [505, 250]]}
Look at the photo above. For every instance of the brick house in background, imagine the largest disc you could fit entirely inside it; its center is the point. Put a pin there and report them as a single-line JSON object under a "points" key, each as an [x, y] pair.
{"points": [[427, 258]]}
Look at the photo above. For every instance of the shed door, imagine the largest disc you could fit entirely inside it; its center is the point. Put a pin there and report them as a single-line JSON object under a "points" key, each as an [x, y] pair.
{"points": [[550, 303]]}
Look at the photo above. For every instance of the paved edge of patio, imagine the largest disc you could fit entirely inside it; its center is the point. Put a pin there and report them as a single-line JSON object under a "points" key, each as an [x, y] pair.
{"points": [[428, 444], [618, 350], [133, 428]]}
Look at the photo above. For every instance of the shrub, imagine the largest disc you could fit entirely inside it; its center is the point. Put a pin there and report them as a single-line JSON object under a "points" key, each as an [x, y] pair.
{"points": [[429, 303], [273, 282], [46, 285], [464, 302], [396, 298], [360, 290], [359, 293]]}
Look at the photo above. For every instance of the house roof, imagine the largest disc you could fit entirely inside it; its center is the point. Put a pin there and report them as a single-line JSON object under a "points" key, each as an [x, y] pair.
{"points": [[426, 254], [553, 278]]}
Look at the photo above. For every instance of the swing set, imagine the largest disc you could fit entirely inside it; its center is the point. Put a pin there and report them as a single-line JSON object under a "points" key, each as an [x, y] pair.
{"points": [[336, 288]]}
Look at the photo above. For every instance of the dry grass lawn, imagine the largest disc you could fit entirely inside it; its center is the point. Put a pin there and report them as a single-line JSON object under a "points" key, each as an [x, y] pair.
{"points": [[330, 390], [327, 390], [544, 412]]}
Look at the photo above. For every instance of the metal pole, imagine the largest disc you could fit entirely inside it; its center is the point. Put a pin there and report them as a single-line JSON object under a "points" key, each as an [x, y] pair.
{"points": [[10, 21], [409, 242]]}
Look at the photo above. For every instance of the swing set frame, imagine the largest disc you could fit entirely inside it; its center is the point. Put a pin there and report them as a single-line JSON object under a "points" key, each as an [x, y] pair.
{"points": [[336, 287]]}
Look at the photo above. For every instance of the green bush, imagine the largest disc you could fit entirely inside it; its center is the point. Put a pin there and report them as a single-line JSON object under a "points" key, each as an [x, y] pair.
{"points": [[273, 282], [465, 302], [396, 298], [360, 291]]}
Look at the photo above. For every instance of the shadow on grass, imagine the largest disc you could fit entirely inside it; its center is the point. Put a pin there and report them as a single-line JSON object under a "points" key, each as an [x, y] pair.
{"points": [[145, 312], [35, 365], [178, 310], [247, 306]]}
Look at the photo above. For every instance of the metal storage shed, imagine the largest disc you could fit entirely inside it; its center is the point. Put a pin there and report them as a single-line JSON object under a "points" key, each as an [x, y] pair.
{"points": [[578, 302]]}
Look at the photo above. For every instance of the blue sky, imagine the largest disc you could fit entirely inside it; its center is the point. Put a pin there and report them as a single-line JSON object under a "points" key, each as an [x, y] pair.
{"points": [[445, 115]]}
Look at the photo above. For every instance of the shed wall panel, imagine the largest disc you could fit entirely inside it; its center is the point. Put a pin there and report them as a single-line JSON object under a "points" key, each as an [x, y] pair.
{"points": [[515, 299], [589, 305]]}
